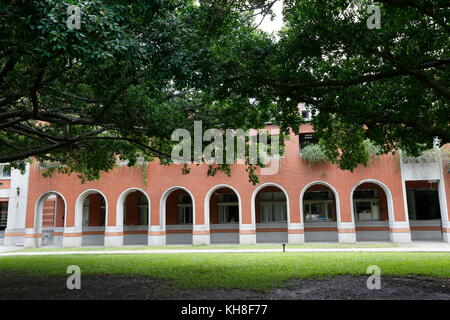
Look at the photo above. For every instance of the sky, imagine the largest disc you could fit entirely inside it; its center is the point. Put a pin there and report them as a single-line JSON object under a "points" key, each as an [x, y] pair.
{"points": [[277, 23]]}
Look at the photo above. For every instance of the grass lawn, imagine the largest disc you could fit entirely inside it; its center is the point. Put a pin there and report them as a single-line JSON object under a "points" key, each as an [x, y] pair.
{"points": [[232, 247], [257, 271]]}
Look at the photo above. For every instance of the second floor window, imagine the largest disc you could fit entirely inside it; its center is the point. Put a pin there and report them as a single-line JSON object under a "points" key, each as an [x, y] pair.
{"points": [[307, 138], [5, 172], [308, 112]]}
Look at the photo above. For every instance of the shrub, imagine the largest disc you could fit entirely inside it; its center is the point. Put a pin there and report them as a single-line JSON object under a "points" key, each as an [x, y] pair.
{"points": [[428, 156]]}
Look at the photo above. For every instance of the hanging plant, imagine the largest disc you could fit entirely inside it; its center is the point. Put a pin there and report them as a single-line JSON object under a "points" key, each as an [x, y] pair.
{"points": [[313, 153]]}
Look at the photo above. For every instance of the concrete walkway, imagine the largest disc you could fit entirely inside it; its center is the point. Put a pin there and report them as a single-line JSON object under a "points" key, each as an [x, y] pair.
{"points": [[414, 247]]}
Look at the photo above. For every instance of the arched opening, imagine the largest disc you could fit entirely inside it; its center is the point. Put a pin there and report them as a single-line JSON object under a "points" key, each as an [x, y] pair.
{"points": [[371, 212], [224, 215], [424, 210], [320, 213], [135, 206], [179, 216], [271, 215], [94, 218], [50, 218]]}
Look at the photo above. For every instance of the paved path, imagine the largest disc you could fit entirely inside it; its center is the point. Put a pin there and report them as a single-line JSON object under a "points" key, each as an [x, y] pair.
{"points": [[415, 247]]}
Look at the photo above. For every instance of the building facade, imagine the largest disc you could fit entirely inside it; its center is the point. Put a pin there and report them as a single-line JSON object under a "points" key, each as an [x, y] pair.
{"points": [[390, 200]]}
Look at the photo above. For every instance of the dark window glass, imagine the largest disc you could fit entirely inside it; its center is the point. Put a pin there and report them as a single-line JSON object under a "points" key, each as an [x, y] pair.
{"points": [[365, 194], [228, 198], [307, 138], [185, 199], [233, 214], [3, 215], [102, 212], [5, 172], [316, 195], [423, 204]]}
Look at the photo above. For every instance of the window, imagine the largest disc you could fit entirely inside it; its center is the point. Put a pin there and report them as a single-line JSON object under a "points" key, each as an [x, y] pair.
{"points": [[367, 210], [366, 205], [423, 204], [318, 205], [308, 112], [3, 215], [365, 194], [184, 214], [143, 210], [317, 195], [307, 138], [272, 207], [5, 173], [184, 199], [228, 207], [227, 198], [185, 211], [273, 212], [318, 211], [228, 213]]}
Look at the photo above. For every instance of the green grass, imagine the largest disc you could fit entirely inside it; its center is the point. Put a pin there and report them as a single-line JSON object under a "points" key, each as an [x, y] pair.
{"points": [[233, 247], [256, 271]]}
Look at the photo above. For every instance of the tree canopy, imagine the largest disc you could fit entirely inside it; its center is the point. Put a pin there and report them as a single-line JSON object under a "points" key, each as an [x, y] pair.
{"points": [[136, 71]]}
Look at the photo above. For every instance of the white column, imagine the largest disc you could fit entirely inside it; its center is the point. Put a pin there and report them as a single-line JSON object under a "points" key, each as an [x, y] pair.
{"points": [[400, 231], [201, 235], [247, 234], [346, 232], [296, 233], [446, 232], [73, 237], [58, 238], [444, 212], [114, 236], [444, 207], [156, 236], [32, 239], [14, 237], [17, 207]]}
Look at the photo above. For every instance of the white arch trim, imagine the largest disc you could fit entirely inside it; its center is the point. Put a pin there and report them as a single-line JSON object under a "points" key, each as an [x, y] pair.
{"points": [[39, 206], [208, 200], [264, 185], [121, 202], [336, 196], [390, 202], [162, 205], [79, 207]]}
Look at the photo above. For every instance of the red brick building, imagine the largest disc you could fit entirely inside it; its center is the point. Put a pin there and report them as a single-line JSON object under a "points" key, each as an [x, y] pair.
{"points": [[390, 200]]}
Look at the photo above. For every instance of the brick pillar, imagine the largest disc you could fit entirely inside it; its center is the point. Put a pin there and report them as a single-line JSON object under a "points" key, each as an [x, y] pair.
{"points": [[247, 224], [157, 227], [399, 230], [296, 229], [200, 230]]}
